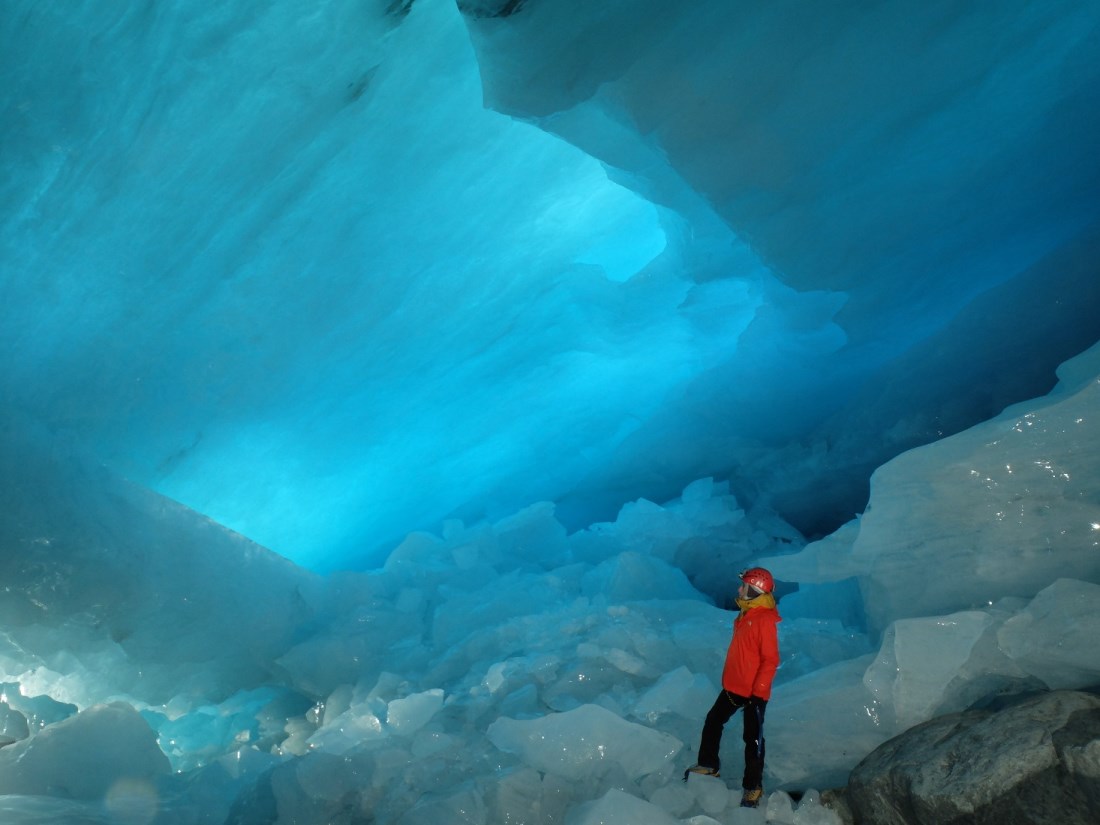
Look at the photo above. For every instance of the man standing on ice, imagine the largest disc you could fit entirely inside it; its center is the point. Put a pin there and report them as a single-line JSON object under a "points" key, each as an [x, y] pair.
{"points": [[751, 662]]}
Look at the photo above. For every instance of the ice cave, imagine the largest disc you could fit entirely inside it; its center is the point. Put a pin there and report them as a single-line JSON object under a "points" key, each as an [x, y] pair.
{"points": [[392, 391]]}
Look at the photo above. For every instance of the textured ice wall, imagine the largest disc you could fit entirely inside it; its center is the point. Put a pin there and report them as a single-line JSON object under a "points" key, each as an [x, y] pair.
{"points": [[110, 589], [281, 263], [977, 562], [1003, 509], [933, 169]]}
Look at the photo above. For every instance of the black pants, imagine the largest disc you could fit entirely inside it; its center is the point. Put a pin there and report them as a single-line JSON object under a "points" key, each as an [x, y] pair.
{"points": [[724, 707]]}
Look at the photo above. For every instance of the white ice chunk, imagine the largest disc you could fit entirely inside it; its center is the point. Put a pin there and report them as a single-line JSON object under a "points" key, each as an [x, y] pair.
{"points": [[83, 757], [351, 728], [710, 792], [494, 677], [518, 794], [832, 709], [624, 660], [680, 691], [828, 559], [618, 808], [525, 795], [918, 659], [461, 805], [584, 742], [674, 798], [1054, 637], [410, 714], [532, 535], [648, 528], [635, 576], [781, 810]]}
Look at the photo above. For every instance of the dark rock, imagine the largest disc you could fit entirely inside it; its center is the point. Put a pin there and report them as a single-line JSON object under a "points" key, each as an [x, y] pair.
{"points": [[836, 800], [1031, 762]]}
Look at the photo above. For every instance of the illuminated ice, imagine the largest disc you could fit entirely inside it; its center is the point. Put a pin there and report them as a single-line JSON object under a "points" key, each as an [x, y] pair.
{"points": [[408, 715], [633, 576], [85, 756], [618, 808], [832, 708], [1054, 637], [585, 742], [1002, 509], [680, 691], [675, 799], [917, 661], [711, 793]]}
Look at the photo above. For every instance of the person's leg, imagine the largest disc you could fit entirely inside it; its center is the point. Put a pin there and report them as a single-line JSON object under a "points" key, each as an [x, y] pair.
{"points": [[724, 707], [754, 743]]}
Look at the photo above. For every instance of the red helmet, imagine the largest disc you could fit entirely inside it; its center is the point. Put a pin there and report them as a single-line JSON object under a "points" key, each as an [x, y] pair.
{"points": [[759, 578]]}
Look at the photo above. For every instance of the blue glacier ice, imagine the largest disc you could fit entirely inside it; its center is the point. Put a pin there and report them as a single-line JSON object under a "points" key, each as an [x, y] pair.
{"points": [[380, 374]]}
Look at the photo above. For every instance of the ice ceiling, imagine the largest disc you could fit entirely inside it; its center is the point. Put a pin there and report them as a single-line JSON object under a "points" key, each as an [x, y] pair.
{"points": [[330, 272]]}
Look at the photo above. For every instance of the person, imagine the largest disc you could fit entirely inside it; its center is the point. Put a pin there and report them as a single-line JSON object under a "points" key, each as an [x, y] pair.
{"points": [[750, 666]]}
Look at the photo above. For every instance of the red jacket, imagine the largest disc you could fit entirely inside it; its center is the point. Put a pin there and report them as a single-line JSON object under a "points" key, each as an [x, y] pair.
{"points": [[753, 655]]}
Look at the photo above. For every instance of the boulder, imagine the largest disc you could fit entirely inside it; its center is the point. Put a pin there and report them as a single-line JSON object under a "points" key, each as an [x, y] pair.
{"points": [[1028, 760]]}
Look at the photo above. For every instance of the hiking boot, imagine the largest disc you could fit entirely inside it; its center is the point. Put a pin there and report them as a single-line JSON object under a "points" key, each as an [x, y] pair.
{"points": [[751, 798], [701, 769]]}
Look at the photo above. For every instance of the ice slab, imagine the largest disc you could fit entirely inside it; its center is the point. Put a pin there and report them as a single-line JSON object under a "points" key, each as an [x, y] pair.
{"points": [[618, 808], [917, 661], [832, 709], [1055, 637], [1000, 510], [85, 756], [632, 576], [711, 793], [584, 742], [679, 691], [409, 714], [349, 730]]}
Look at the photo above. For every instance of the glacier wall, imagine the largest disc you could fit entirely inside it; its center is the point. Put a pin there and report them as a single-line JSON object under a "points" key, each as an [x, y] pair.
{"points": [[331, 273]]}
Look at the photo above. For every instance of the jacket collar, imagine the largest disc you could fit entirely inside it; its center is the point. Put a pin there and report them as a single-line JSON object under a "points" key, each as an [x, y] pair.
{"points": [[763, 600]]}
